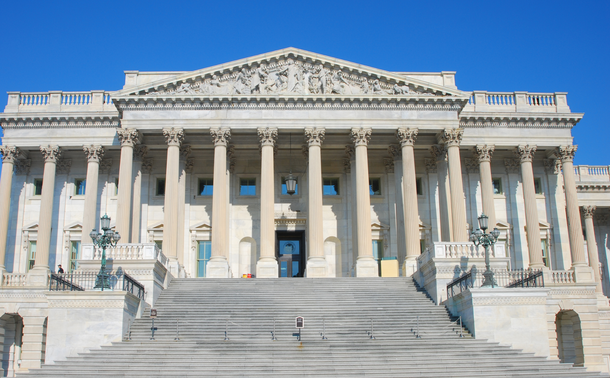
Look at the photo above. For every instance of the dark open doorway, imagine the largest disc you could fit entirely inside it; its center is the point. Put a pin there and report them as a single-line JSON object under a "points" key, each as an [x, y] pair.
{"points": [[290, 252]]}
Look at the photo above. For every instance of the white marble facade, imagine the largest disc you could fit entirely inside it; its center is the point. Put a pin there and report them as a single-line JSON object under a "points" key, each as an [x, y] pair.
{"points": [[166, 125]]}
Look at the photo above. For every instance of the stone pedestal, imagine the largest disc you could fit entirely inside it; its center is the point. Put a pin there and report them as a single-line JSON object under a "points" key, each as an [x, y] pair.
{"points": [[316, 267], [367, 267], [409, 266], [218, 268], [267, 268], [38, 276]]}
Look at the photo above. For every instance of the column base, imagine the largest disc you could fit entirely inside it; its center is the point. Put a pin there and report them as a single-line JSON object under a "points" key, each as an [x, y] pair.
{"points": [[316, 267], [409, 266], [267, 267], [583, 274], [367, 267], [218, 267], [38, 276]]}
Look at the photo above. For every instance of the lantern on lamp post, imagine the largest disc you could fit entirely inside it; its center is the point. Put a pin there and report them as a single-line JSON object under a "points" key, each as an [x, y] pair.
{"points": [[480, 237], [104, 240], [291, 181]]}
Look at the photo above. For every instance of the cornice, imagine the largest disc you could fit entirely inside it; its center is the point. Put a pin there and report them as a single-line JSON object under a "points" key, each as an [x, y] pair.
{"points": [[519, 120], [66, 121]]}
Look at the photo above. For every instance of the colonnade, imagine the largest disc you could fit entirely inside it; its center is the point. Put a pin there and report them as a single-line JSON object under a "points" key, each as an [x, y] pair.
{"points": [[451, 197]]}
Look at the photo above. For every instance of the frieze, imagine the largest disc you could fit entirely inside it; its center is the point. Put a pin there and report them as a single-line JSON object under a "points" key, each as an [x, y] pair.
{"points": [[571, 292], [509, 301], [535, 123], [86, 303]]}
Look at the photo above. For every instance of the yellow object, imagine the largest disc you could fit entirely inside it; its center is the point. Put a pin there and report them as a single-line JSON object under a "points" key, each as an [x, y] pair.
{"points": [[389, 268]]}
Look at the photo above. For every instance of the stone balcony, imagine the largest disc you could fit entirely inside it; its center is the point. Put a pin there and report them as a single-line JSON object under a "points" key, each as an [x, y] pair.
{"points": [[517, 102], [59, 101]]}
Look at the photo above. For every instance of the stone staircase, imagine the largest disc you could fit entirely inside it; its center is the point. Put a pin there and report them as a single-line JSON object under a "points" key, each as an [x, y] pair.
{"points": [[371, 327]]}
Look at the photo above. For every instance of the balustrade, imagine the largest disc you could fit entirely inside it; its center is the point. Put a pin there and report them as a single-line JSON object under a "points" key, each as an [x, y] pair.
{"points": [[140, 251], [59, 101], [34, 99], [14, 279], [482, 101]]}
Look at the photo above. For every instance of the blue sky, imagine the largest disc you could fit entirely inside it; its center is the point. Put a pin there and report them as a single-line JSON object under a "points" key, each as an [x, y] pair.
{"points": [[535, 46]]}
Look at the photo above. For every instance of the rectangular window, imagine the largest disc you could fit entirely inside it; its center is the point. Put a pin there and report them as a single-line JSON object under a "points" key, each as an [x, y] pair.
{"points": [[204, 252], [160, 189], [422, 245], [74, 255], [79, 187], [159, 244], [375, 186], [545, 252], [284, 190], [378, 253], [247, 187], [116, 186], [497, 184], [419, 186], [37, 187], [31, 255], [538, 185], [330, 186], [206, 187]]}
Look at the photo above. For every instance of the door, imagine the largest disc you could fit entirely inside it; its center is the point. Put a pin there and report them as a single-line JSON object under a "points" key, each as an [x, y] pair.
{"points": [[290, 248]]}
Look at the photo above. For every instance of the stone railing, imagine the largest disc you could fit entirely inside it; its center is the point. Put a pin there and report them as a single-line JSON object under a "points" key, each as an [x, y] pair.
{"points": [[14, 279], [140, 251], [58, 101], [561, 277], [589, 173], [483, 101], [452, 250]]}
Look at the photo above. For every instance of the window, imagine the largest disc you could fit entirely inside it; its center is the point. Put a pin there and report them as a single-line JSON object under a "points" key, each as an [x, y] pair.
{"points": [[37, 187], [375, 186], [545, 252], [419, 186], [206, 187], [422, 245], [330, 186], [378, 253], [159, 244], [296, 187], [31, 255], [79, 187], [74, 255], [538, 185], [247, 187], [160, 189], [204, 252], [497, 185], [116, 186]]}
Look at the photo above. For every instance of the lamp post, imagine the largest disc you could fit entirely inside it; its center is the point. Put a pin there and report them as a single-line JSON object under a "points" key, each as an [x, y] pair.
{"points": [[104, 240], [480, 237], [291, 181]]}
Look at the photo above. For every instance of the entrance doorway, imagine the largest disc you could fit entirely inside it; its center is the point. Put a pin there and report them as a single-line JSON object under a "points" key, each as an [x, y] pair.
{"points": [[290, 252]]}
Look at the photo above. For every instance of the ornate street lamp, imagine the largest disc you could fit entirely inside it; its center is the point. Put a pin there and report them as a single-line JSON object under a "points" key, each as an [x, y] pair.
{"points": [[105, 240], [291, 181], [486, 240]]}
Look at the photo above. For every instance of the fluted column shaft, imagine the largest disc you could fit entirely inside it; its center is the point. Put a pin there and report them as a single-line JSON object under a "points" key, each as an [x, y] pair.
{"points": [[588, 212], [452, 138], [410, 209], [136, 209], [51, 155], [9, 155], [316, 262], [173, 137], [577, 248], [268, 137], [484, 153], [526, 155], [220, 138], [94, 155], [439, 151], [128, 138]]}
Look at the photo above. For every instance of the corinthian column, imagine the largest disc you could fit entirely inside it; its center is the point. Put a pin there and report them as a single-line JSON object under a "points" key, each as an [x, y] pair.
{"points": [[136, 209], [566, 154], [266, 267], [526, 154], [409, 193], [128, 138], [94, 154], [588, 212], [439, 151], [173, 137], [316, 262], [366, 266], [9, 155], [218, 266], [38, 276], [484, 153], [452, 139]]}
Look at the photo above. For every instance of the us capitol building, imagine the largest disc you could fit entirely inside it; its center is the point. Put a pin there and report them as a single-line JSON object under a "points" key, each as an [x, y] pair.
{"points": [[295, 164]]}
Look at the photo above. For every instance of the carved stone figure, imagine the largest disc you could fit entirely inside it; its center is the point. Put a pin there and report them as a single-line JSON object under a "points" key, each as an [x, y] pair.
{"points": [[240, 86], [259, 80], [377, 88]]}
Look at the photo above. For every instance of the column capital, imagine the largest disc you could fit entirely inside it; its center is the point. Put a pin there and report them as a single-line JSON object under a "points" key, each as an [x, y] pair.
{"points": [[394, 151], [430, 165], [10, 153], [347, 158], [406, 136], [220, 136], [173, 136], [94, 153], [451, 137], [511, 165], [185, 151], [552, 166], [50, 153], [361, 136], [439, 151], [566, 153], [588, 211], [147, 165], [484, 152], [139, 151], [314, 136], [128, 137], [267, 135], [525, 152]]}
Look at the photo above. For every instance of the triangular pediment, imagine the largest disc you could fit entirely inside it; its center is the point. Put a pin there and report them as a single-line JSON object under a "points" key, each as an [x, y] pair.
{"points": [[156, 227], [289, 72], [201, 226], [75, 226]]}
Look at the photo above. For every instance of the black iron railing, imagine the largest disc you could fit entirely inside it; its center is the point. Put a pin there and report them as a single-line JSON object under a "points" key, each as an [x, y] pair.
{"points": [[462, 283], [529, 278], [504, 278], [87, 281]]}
